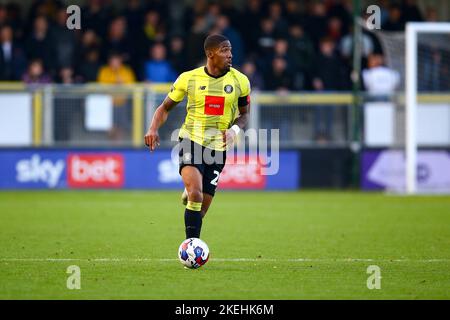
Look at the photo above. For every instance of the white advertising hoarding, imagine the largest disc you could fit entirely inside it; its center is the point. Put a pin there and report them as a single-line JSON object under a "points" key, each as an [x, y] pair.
{"points": [[16, 119]]}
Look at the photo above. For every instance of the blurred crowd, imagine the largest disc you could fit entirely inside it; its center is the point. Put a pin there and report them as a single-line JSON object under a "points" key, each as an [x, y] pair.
{"points": [[280, 45]]}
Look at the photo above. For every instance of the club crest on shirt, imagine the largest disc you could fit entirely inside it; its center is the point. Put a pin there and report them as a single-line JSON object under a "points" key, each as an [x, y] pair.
{"points": [[228, 88]]}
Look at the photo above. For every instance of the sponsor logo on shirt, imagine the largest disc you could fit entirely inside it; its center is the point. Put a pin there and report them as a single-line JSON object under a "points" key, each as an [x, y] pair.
{"points": [[214, 105]]}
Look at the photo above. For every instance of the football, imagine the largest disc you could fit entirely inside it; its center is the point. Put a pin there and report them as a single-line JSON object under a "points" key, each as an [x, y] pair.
{"points": [[193, 253]]}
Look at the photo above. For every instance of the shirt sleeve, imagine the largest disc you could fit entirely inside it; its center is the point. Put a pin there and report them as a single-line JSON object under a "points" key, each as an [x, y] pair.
{"points": [[245, 87], [179, 88]]}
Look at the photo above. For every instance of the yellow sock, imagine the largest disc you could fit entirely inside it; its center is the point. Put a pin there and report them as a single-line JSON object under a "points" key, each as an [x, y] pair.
{"points": [[194, 206]]}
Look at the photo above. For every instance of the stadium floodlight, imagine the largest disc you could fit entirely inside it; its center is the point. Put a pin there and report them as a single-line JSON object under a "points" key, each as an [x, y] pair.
{"points": [[411, 53]]}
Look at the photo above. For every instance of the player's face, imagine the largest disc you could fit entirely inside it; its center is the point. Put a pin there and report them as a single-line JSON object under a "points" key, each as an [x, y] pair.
{"points": [[222, 56]]}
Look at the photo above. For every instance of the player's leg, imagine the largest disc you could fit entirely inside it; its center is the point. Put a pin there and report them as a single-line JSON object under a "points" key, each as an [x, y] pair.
{"points": [[211, 173], [207, 199], [184, 197], [192, 179]]}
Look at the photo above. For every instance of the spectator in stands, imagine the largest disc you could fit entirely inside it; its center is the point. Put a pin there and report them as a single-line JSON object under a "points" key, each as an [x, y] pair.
{"points": [[151, 30], [316, 21], [411, 12], [276, 15], [36, 73], [195, 40], [213, 13], [67, 76], [223, 27], [293, 12], [341, 9], [117, 41], [158, 69], [45, 8], [329, 72], [3, 15], [115, 72], [255, 78], [177, 54], [384, 11], [15, 19], [394, 21], [266, 38], [329, 75], [334, 30], [97, 17], [431, 14], [370, 44], [198, 9], [12, 58], [280, 50], [89, 41], [160, 6], [278, 78], [64, 41], [250, 17], [134, 16], [228, 8], [65, 109], [378, 79], [301, 51], [39, 44], [88, 68]]}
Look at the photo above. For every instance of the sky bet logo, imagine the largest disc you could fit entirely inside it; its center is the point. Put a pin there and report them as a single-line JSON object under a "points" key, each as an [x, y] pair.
{"points": [[95, 170], [38, 170], [83, 171]]}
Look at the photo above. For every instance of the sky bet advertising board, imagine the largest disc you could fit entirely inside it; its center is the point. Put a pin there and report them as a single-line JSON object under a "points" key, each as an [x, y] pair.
{"points": [[137, 169]]}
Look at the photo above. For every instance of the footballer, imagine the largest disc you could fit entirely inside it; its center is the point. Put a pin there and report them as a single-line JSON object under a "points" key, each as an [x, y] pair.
{"points": [[217, 109]]}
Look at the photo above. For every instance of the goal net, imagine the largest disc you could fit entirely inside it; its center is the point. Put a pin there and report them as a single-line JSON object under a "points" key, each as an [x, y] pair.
{"points": [[414, 155]]}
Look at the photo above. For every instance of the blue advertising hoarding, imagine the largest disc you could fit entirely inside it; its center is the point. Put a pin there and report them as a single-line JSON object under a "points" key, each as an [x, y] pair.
{"points": [[129, 169]]}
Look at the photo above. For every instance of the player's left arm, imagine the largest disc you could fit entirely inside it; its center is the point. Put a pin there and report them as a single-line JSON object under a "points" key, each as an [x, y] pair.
{"points": [[240, 122]]}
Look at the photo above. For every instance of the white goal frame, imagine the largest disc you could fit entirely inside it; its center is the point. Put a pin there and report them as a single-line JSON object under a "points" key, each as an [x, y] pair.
{"points": [[412, 29]]}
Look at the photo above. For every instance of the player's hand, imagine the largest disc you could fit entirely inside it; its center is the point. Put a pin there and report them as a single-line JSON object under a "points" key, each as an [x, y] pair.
{"points": [[152, 139], [229, 137]]}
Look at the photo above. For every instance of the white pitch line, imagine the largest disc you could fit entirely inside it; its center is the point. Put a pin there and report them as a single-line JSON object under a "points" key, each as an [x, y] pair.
{"points": [[214, 259]]}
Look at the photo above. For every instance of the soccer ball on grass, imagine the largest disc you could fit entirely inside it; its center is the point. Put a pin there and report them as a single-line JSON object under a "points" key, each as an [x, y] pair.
{"points": [[193, 253]]}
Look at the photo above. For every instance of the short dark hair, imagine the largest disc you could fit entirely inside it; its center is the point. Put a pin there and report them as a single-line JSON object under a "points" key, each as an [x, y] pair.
{"points": [[213, 41], [114, 54]]}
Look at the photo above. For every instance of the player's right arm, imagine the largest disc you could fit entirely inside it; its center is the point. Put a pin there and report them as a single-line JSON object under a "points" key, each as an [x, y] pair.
{"points": [[176, 95], [159, 118]]}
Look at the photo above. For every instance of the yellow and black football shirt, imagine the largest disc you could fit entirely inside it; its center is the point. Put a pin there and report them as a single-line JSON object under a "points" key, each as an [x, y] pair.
{"points": [[212, 104]]}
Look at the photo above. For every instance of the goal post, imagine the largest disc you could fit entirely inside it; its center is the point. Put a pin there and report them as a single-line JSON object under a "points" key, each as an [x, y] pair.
{"points": [[411, 88]]}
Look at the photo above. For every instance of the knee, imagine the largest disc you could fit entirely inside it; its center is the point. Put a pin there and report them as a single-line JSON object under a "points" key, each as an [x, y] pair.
{"points": [[195, 195]]}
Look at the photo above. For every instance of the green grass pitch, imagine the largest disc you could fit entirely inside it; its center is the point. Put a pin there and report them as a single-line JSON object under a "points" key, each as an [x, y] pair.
{"points": [[264, 245]]}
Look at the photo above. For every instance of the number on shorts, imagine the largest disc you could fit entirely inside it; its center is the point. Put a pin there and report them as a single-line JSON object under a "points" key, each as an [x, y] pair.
{"points": [[214, 181]]}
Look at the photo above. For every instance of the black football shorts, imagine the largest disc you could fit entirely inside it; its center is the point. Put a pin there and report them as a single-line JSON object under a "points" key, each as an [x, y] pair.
{"points": [[209, 162]]}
